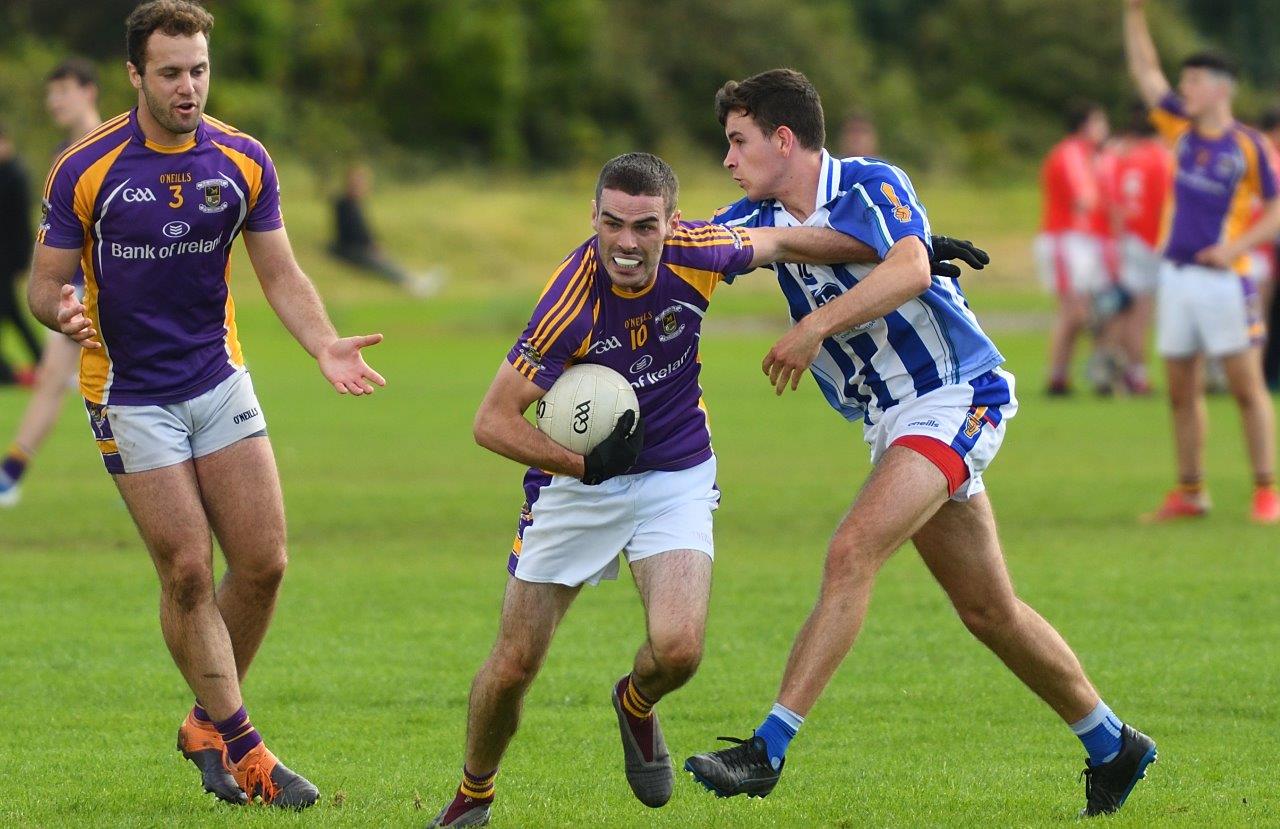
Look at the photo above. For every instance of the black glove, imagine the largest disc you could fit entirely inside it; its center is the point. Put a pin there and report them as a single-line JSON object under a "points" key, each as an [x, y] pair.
{"points": [[945, 249], [616, 453]]}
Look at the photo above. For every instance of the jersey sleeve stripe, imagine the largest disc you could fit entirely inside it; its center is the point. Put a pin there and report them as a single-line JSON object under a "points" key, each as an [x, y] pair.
{"points": [[881, 225], [249, 168], [112, 125], [577, 287], [568, 318]]}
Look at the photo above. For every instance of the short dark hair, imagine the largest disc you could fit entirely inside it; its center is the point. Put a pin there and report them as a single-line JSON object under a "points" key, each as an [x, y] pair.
{"points": [[640, 174], [175, 18], [1214, 62], [1270, 119], [1078, 112], [80, 70], [777, 98]]}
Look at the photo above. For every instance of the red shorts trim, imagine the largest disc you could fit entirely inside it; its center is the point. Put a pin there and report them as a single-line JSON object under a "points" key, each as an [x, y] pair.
{"points": [[941, 455]]}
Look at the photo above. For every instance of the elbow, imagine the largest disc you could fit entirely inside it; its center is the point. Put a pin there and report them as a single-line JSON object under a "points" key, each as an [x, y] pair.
{"points": [[919, 271], [482, 428]]}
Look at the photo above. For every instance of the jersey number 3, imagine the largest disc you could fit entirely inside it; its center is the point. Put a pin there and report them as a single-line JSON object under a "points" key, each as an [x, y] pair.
{"points": [[176, 189]]}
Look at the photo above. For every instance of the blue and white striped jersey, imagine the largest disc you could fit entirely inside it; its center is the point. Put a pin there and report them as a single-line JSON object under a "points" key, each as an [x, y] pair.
{"points": [[932, 341]]}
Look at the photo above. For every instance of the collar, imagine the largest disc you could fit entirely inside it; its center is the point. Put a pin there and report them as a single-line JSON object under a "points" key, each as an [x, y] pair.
{"points": [[828, 181], [195, 139]]}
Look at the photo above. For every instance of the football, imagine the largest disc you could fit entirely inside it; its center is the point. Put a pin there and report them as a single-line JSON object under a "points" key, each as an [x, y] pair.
{"points": [[584, 405]]}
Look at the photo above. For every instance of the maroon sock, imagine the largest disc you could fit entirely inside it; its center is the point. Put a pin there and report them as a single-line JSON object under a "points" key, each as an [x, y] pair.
{"points": [[637, 708]]}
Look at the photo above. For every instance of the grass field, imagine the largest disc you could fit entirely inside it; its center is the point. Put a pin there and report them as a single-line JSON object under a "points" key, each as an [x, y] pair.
{"points": [[400, 528]]}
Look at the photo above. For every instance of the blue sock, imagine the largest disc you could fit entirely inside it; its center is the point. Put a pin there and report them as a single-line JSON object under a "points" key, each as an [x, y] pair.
{"points": [[777, 730], [1100, 733]]}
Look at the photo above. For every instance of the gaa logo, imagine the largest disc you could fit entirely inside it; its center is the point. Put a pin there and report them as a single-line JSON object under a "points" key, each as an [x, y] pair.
{"points": [[581, 416], [138, 194], [176, 230]]}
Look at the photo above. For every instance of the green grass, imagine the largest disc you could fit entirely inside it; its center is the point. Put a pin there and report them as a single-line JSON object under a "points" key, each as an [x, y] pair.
{"points": [[400, 528]]}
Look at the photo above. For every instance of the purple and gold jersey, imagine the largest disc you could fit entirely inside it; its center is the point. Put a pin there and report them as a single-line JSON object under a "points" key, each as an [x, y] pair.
{"points": [[1216, 185], [649, 337], [155, 226]]}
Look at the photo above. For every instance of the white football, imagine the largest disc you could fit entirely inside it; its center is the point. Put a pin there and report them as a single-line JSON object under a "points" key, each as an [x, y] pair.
{"points": [[583, 406]]}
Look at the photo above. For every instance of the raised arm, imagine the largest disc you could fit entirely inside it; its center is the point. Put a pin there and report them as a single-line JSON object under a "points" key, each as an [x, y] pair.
{"points": [[1140, 50], [296, 303], [52, 299], [903, 274]]}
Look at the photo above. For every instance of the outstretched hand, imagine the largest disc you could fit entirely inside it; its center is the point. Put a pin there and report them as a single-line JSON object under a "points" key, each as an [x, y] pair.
{"points": [[946, 248], [72, 320], [342, 365]]}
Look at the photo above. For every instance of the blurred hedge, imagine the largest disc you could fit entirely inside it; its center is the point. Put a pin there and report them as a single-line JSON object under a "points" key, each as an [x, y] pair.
{"points": [[969, 86]]}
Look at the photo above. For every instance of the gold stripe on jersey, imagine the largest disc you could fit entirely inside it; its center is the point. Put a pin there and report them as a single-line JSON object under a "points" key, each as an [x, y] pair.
{"points": [[250, 169], [574, 283], [90, 183], [110, 126], [222, 125], [568, 318], [95, 363], [704, 282], [575, 294], [231, 339]]}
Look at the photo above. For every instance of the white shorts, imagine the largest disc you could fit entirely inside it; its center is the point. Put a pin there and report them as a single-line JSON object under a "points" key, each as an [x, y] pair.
{"points": [[1139, 265], [1071, 263], [965, 420], [139, 438], [572, 534], [1207, 311]]}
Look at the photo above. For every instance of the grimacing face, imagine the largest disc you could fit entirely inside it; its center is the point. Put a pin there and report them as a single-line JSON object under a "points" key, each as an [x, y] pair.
{"points": [[67, 100], [175, 84], [632, 231], [755, 160]]}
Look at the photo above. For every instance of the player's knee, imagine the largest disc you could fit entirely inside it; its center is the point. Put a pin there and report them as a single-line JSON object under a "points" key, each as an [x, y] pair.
{"points": [[188, 584], [266, 572], [678, 656], [514, 668], [848, 564]]}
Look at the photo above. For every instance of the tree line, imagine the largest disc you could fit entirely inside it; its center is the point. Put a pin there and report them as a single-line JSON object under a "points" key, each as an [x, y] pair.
{"points": [[963, 85]]}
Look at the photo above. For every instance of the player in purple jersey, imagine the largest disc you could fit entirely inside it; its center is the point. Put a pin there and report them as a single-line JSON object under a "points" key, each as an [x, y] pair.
{"points": [[631, 298], [901, 351], [71, 97], [1206, 304], [150, 204]]}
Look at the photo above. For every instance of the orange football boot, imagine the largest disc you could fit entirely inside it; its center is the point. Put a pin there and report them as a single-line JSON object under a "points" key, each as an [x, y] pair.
{"points": [[201, 743], [1266, 506], [261, 775], [1179, 504]]}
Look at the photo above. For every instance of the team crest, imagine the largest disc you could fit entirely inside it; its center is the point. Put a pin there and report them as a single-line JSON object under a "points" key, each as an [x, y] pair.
{"points": [[98, 421], [900, 211], [669, 325], [973, 424], [213, 195], [532, 355]]}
